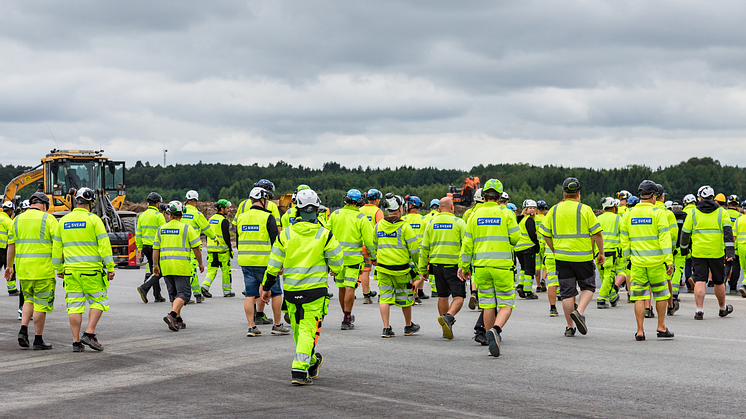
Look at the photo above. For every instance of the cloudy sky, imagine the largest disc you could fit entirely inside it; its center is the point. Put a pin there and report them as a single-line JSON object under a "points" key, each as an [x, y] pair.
{"points": [[381, 83]]}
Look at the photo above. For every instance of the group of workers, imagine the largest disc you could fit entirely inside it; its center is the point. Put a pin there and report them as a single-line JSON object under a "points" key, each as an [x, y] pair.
{"points": [[646, 244]]}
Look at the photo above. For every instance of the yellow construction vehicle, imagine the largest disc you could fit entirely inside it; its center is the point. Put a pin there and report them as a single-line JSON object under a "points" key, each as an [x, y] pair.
{"points": [[62, 172]]}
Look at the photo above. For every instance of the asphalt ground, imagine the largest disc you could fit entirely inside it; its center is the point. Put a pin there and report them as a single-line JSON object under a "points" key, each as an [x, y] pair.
{"points": [[212, 368]]}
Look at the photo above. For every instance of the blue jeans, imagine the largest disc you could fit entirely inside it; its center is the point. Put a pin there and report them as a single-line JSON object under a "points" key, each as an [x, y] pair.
{"points": [[252, 279]]}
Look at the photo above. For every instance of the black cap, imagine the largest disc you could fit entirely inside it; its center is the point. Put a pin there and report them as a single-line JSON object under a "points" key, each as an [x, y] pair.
{"points": [[676, 202], [660, 189], [154, 197], [647, 187], [40, 197], [571, 185]]}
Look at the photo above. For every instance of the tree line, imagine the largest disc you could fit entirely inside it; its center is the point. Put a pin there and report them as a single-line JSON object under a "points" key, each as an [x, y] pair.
{"points": [[233, 182]]}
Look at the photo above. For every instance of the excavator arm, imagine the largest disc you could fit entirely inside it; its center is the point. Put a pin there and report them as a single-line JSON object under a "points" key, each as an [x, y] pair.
{"points": [[26, 178]]}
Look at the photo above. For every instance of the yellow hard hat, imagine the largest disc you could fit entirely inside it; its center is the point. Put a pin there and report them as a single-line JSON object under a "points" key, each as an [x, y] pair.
{"points": [[720, 198]]}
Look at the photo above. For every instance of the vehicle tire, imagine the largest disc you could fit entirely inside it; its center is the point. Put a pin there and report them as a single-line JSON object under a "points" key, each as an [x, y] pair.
{"points": [[130, 223]]}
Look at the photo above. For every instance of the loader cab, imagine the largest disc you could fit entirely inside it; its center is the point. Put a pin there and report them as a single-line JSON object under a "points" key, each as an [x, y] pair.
{"points": [[65, 173]]}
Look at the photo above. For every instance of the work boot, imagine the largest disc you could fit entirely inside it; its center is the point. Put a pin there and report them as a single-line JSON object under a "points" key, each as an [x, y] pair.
{"points": [[603, 304], [411, 329], [367, 300], [143, 295], [206, 292], [542, 286], [446, 322], [313, 370], [373, 293], [78, 347], [92, 342], [286, 316], [280, 329], [520, 292], [531, 296], [301, 379], [200, 298], [422, 295], [347, 326], [159, 299], [23, 340], [614, 300], [649, 314], [229, 294]]}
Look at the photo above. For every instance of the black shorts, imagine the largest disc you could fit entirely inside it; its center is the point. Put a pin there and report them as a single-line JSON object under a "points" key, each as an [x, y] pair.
{"points": [[703, 266], [528, 261], [447, 282], [178, 287], [571, 273]]}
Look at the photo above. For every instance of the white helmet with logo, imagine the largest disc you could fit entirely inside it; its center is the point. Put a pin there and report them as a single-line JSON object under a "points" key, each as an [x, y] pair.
{"points": [[307, 198], [689, 199], [608, 202], [529, 203], [192, 195], [706, 192], [478, 196]]}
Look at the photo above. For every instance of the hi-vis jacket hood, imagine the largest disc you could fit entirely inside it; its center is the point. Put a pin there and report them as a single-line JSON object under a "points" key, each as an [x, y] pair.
{"points": [[707, 206], [390, 224]]}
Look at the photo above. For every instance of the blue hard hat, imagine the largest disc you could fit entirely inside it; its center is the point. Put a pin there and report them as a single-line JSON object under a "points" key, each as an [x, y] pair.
{"points": [[415, 201], [354, 194], [542, 204], [511, 206], [373, 194], [267, 186], [435, 201], [633, 200]]}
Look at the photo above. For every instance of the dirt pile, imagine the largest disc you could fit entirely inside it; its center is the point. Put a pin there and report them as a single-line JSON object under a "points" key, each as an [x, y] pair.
{"points": [[207, 208]]}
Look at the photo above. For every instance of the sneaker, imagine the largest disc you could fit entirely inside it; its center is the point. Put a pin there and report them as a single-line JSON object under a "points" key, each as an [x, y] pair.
{"points": [[670, 311], [92, 342], [727, 311], [553, 312], [481, 338], [614, 300], [732, 291], [159, 299], [43, 346], [417, 301], [531, 296], [446, 322], [520, 292], [13, 292], [352, 318], [182, 325], [280, 329], [200, 298], [367, 300], [579, 320], [347, 326], [253, 331], [143, 295], [23, 340], [542, 286], [373, 293], [569, 332], [676, 305], [699, 315], [78, 347], [742, 290], [411, 330], [313, 370], [649, 314], [690, 286], [388, 333], [603, 304], [229, 294], [263, 319], [473, 302], [301, 381], [493, 341], [206, 292], [172, 323]]}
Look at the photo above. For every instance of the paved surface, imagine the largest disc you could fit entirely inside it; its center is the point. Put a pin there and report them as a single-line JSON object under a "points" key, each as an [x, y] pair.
{"points": [[213, 369]]}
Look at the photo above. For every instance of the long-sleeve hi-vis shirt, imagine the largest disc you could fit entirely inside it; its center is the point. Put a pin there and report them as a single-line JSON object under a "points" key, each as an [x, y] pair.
{"points": [[611, 225], [645, 236], [441, 242], [490, 236], [81, 243], [739, 233], [570, 225], [193, 218], [395, 244], [5, 225], [147, 227], [352, 229], [32, 235], [673, 226]]}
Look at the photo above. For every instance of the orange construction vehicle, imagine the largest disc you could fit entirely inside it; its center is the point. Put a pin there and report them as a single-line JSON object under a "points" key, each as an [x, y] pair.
{"points": [[465, 194]]}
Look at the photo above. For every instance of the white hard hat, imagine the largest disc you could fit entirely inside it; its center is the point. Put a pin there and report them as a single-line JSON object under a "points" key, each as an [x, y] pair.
{"points": [[192, 195], [25, 204], [478, 196], [505, 195], [623, 194], [668, 204], [529, 203], [706, 192], [307, 197], [85, 194], [617, 202], [393, 202], [8, 206], [608, 202], [689, 199], [258, 193], [175, 207]]}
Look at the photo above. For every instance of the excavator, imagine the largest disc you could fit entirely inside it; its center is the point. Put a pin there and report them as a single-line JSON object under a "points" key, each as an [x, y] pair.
{"points": [[465, 194], [62, 172]]}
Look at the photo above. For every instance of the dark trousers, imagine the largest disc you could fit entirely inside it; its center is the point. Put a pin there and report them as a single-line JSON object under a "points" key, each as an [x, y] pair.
{"points": [[151, 281], [734, 269]]}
